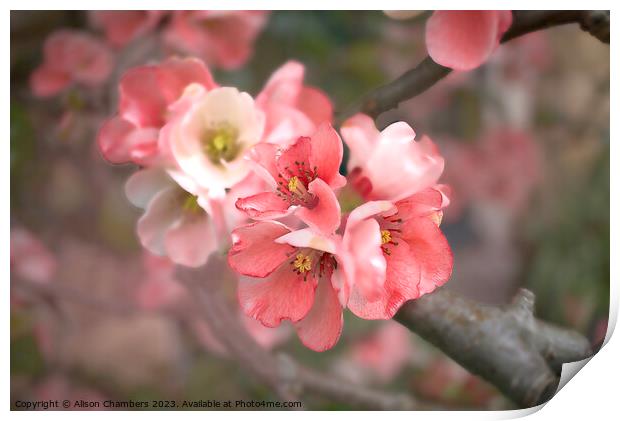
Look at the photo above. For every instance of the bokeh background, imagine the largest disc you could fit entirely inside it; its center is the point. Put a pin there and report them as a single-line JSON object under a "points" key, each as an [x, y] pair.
{"points": [[526, 141]]}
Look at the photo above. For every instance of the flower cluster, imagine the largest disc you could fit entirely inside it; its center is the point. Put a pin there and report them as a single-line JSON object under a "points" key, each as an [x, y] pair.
{"points": [[221, 37], [192, 139], [219, 165], [74, 57]]}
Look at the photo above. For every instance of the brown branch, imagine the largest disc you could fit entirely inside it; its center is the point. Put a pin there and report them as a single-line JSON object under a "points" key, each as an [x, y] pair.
{"points": [[285, 376], [428, 73], [508, 347]]}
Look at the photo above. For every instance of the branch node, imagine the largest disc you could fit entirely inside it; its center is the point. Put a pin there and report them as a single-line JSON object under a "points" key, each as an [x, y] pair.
{"points": [[523, 303]]}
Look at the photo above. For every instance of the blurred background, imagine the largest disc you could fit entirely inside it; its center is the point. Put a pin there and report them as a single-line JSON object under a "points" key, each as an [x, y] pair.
{"points": [[526, 142]]}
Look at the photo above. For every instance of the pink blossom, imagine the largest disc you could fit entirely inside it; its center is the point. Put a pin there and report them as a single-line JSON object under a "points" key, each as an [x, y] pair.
{"points": [[159, 289], [303, 177], [513, 168], [464, 39], [413, 165], [122, 26], [177, 223], [222, 38], [146, 93], [30, 259], [209, 134], [69, 57], [288, 277], [292, 108], [412, 252], [385, 352]]}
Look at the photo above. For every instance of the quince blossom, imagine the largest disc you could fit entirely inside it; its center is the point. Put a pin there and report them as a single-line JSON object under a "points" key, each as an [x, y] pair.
{"points": [[146, 93], [288, 276], [224, 38], [122, 26], [69, 57], [303, 177]]}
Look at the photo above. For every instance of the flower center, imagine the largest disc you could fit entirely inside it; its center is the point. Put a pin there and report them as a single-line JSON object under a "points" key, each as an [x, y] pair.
{"points": [[312, 262], [221, 144], [386, 236], [390, 231], [190, 204], [302, 263], [293, 187]]}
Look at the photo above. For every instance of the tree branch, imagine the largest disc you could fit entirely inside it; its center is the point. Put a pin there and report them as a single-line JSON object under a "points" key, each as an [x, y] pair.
{"points": [[284, 375], [428, 73], [508, 347]]}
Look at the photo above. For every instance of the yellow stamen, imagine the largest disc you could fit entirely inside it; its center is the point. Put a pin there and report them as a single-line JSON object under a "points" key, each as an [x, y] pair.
{"points": [[191, 204], [386, 236], [293, 183], [221, 144], [302, 263]]}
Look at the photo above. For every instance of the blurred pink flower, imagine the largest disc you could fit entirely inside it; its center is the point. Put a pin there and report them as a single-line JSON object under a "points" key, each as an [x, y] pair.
{"points": [[303, 177], [292, 108], [290, 280], [146, 92], [464, 39], [222, 38], [512, 163], [413, 165], [71, 56], [122, 26], [445, 381], [30, 259], [159, 289], [385, 352]]}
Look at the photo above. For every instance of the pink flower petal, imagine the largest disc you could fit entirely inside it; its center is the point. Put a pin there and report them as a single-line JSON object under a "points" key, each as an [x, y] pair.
{"points": [[316, 105], [175, 74], [143, 185], [46, 81], [282, 295], [120, 141], [401, 284], [326, 155], [122, 26], [141, 101], [266, 205], [414, 165], [322, 326], [191, 240], [361, 135], [369, 209], [162, 212], [254, 251], [325, 216], [264, 155], [424, 203], [366, 265], [290, 162], [462, 40], [431, 250], [284, 85], [307, 237]]}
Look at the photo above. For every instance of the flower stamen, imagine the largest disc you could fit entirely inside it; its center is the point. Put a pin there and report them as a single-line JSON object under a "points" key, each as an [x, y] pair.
{"points": [[302, 263]]}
